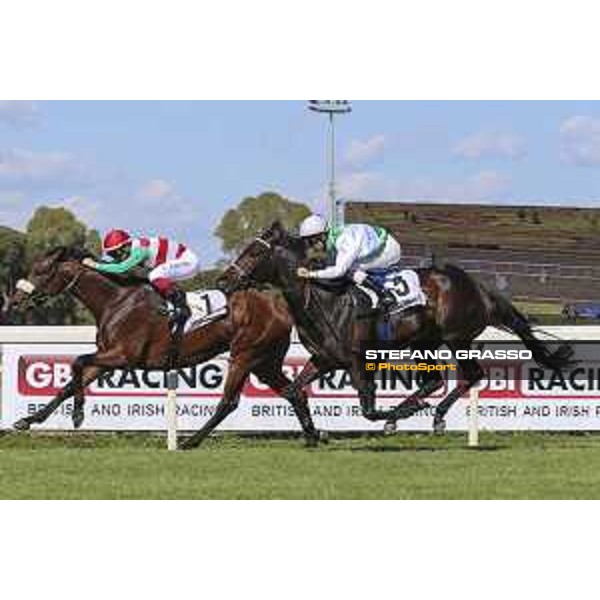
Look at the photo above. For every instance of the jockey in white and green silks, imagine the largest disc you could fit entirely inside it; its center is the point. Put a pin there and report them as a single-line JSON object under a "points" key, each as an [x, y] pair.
{"points": [[358, 248]]}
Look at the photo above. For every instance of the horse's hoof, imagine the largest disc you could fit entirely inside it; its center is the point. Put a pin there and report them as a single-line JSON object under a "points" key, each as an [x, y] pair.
{"points": [[22, 425], [77, 418], [439, 426], [324, 437], [312, 441], [390, 428], [187, 444]]}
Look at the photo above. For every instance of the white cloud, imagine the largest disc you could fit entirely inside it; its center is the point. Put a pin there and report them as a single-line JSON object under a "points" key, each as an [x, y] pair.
{"points": [[19, 113], [580, 141], [489, 144], [361, 184], [102, 200], [363, 152], [84, 208], [156, 189], [25, 168], [482, 186], [16, 209]]}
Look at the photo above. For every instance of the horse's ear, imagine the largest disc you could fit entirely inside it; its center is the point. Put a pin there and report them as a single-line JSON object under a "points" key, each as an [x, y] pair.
{"points": [[78, 253], [59, 253], [277, 230]]}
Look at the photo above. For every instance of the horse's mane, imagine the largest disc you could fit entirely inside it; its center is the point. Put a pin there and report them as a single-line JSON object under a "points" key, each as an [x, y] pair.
{"points": [[78, 253], [64, 253], [294, 243], [337, 286]]}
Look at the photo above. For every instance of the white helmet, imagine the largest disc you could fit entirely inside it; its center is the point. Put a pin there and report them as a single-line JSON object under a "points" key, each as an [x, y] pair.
{"points": [[313, 225]]}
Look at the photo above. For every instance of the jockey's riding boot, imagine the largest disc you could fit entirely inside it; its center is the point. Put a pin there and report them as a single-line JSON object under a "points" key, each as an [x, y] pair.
{"points": [[181, 310], [386, 298]]}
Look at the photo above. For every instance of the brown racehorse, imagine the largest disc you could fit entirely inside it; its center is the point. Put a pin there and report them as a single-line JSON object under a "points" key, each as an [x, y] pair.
{"points": [[134, 333]]}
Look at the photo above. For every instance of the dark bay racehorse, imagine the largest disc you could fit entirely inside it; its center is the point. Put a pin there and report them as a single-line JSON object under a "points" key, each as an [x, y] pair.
{"points": [[328, 318], [133, 333]]}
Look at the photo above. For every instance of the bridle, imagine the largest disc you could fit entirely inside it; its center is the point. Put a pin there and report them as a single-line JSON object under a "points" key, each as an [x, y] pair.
{"points": [[34, 291], [240, 270], [74, 281]]}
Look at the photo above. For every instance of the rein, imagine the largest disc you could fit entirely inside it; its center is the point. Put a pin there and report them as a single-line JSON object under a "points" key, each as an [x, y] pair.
{"points": [[308, 296], [73, 282]]}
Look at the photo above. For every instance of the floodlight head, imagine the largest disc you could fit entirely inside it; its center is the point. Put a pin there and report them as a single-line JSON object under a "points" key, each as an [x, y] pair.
{"points": [[330, 106]]}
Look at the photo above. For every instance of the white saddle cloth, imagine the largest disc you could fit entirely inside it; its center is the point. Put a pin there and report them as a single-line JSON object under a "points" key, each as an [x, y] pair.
{"points": [[404, 286], [206, 306]]}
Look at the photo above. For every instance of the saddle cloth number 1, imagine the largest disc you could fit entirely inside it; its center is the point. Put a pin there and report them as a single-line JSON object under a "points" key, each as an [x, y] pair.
{"points": [[205, 299]]}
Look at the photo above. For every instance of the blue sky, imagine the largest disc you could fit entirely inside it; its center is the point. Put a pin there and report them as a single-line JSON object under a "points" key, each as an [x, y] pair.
{"points": [[175, 167]]}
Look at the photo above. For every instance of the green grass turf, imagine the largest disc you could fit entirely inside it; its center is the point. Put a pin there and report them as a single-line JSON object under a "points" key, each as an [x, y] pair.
{"points": [[409, 466], [540, 308]]}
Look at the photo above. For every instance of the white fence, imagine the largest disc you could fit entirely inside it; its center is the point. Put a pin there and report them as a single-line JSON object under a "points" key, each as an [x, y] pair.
{"points": [[37, 363], [47, 335]]}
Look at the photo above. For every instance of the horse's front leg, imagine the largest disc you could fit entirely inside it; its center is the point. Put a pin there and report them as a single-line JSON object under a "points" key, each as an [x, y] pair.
{"points": [[73, 388], [84, 374], [77, 384], [43, 413], [271, 374], [295, 393]]}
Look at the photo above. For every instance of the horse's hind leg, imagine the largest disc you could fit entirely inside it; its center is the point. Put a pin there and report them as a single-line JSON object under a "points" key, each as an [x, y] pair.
{"points": [[472, 374], [431, 381], [237, 374], [364, 383]]}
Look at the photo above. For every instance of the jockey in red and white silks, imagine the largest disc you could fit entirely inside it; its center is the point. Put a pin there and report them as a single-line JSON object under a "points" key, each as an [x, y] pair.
{"points": [[167, 260]]}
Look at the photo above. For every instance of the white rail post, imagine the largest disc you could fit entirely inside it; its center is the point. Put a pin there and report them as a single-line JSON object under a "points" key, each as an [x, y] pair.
{"points": [[474, 417], [172, 385]]}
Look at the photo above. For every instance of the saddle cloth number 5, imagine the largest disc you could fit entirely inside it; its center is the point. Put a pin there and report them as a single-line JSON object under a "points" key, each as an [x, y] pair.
{"points": [[398, 286]]}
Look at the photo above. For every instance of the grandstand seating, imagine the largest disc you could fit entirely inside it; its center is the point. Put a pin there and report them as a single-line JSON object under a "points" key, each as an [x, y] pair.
{"points": [[539, 252]]}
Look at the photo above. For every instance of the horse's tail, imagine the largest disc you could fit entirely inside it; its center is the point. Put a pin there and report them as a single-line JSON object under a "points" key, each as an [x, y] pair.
{"points": [[508, 317]]}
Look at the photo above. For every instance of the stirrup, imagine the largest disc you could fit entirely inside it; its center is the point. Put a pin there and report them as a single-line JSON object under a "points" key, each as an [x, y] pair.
{"points": [[177, 321], [386, 300]]}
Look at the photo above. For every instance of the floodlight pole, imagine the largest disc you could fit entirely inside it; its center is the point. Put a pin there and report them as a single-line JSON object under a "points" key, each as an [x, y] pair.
{"points": [[332, 197], [331, 108]]}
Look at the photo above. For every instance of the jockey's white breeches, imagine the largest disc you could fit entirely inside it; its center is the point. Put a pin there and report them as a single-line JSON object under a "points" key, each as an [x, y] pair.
{"points": [[178, 269], [390, 255]]}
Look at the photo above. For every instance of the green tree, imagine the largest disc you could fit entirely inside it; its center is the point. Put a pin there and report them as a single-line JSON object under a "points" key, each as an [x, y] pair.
{"points": [[12, 262], [47, 229], [203, 280], [239, 225], [52, 227]]}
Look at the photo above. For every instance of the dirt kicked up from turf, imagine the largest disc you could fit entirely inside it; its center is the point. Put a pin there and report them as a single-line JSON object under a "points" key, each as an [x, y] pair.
{"points": [[408, 466]]}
